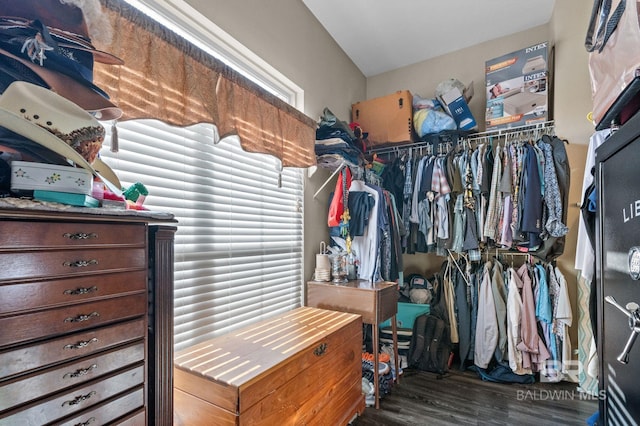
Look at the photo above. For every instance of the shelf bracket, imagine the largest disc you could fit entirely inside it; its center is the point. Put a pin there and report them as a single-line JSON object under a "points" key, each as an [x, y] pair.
{"points": [[338, 170]]}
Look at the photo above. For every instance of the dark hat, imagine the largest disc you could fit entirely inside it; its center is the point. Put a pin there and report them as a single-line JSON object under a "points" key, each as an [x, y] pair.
{"points": [[50, 38], [73, 89]]}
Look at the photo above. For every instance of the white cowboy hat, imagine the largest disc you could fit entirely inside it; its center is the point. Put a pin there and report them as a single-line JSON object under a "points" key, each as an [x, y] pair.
{"points": [[54, 122]]}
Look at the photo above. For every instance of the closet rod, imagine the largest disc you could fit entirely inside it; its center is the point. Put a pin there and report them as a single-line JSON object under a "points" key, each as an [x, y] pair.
{"points": [[543, 125]]}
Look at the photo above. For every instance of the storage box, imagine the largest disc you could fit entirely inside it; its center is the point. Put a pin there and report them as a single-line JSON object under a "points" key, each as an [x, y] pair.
{"points": [[29, 176], [301, 367], [70, 198], [387, 119], [517, 88], [407, 314], [457, 107]]}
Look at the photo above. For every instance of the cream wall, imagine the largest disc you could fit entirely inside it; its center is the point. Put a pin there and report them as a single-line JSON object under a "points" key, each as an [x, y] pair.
{"points": [[466, 65], [286, 35]]}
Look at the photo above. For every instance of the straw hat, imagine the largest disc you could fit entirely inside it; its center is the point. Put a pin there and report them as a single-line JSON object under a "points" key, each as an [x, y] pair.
{"points": [[52, 121]]}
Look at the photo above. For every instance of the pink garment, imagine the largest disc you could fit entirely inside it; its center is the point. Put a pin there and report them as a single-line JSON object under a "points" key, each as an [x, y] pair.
{"points": [[534, 351]]}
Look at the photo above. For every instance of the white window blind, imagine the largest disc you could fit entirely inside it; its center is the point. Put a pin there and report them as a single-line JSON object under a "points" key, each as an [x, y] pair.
{"points": [[238, 248]]}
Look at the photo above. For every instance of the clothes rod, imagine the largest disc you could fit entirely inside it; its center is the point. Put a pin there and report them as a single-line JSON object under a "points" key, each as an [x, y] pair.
{"points": [[543, 125]]}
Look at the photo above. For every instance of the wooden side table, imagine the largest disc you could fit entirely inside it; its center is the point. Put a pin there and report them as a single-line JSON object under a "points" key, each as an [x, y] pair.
{"points": [[375, 302]]}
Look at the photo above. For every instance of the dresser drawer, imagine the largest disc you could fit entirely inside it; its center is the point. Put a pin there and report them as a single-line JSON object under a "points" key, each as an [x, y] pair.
{"points": [[16, 234], [69, 319], [25, 389], [76, 399], [49, 293], [30, 357], [108, 412], [61, 263]]}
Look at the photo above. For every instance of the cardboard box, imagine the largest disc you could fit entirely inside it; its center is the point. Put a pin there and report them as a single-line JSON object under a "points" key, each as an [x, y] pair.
{"points": [[457, 107], [387, 119], [517, 88], [29, 176]]}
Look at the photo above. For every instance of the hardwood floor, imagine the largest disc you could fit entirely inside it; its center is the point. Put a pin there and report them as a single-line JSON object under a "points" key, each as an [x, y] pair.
{"points": [[462, 398]]}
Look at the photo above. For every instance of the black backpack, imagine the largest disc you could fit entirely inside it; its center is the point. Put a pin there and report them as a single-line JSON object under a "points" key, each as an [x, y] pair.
{"points": [[430, 346]]}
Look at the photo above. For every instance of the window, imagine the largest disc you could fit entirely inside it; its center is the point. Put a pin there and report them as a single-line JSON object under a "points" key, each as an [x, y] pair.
{"points": [[238, 248], [239, 244]]}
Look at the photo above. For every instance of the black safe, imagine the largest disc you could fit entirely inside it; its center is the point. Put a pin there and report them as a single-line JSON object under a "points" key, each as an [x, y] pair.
{"points": [[618, 274]]}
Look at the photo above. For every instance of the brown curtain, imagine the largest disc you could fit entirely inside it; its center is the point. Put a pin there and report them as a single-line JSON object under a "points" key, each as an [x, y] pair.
{"points": [[167, 78]]}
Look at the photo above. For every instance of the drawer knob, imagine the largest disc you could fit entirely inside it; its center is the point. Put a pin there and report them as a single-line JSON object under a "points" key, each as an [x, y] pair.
{"points": [[80, 236], [80, 372], [81, 344], [78, 399], [83, 317], [80, 290], [81, 263], [320, 350], [88, 422]]}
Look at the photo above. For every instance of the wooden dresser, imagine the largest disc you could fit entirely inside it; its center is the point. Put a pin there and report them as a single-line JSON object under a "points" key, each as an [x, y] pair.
{"points": [[81, 318], [302, 367]]}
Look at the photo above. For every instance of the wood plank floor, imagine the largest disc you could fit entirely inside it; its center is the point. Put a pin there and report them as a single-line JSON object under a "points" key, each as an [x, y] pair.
{"points": [[462, 398]]}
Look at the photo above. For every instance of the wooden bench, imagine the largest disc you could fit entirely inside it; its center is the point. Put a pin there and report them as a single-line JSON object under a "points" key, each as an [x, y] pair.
{"points": [[300, 368]]}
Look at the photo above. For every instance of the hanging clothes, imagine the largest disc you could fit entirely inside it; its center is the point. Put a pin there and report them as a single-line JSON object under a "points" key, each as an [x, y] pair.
{"points": [[487, 332], [534, 351], [514, 317], [499, 292], [366, 246]]}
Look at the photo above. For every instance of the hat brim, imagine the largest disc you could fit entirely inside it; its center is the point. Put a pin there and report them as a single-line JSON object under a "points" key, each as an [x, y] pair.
{"points": [[67, 87], [44, 138], [107, 172], [66, 39]]}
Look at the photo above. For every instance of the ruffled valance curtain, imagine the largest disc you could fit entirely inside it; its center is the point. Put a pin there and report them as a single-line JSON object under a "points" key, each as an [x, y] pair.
{"points": [[167, 78]]}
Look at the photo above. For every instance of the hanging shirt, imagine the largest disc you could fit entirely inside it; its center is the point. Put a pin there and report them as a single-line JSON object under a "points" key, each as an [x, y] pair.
{"points": [[552, 198], [463, 313], [585, 257], [366, 246], [500, 301], [487, 324], [495, 201], [531, 222], [416, 191], [534, 351], [514, 315], [563, 319]]}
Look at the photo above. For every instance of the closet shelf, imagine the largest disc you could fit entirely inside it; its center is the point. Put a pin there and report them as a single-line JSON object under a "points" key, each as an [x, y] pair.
{"points": [[534, 128]]}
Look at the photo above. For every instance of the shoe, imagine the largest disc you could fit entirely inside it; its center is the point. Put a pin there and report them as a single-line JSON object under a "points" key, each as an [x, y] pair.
{"points": [[367, 387]]}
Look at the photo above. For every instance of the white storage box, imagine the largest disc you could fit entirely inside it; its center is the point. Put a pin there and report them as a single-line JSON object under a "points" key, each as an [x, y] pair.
{"points": [[28, 176]]}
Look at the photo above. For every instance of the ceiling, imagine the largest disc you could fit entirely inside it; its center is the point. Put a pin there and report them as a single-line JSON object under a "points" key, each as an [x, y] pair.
{"points": [[383, 35]]}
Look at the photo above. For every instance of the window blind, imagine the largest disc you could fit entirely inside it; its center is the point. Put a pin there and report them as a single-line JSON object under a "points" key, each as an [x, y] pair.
{"points": [[238, 247]]}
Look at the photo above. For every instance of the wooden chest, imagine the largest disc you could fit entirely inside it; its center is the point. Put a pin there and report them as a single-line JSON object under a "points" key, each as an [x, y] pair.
{"points": [[300, 368]]}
